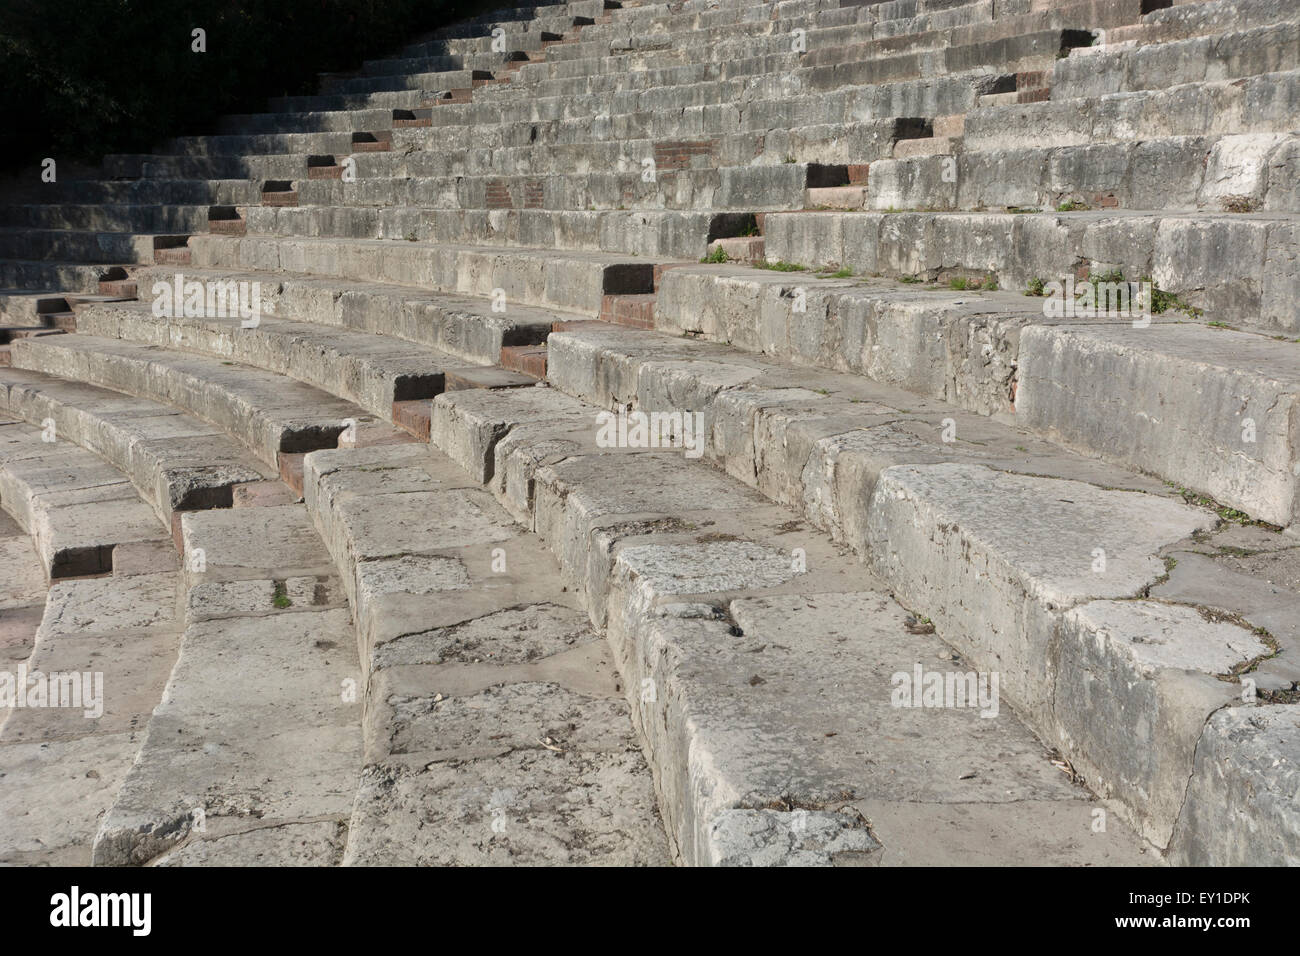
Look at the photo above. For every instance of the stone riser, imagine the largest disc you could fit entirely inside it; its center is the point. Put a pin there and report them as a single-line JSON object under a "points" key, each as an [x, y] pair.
{"points": [[462, 327], [95, 218], [271, 416], [996, 355], [1237, 269], [934, 549], [575, 282], [173, 464], [1220, 174]]}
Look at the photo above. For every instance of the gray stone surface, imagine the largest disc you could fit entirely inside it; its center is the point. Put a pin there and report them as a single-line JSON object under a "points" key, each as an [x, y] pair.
{"points": [[907, 464], [1241, 806]]}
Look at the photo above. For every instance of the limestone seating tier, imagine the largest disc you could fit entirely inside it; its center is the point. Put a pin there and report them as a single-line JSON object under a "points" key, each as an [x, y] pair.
{"points": [[1237, 269], [1211, 409], [495, 726], [81, 512], [72, 515], [462, 326], [706, 604], [274, 417], [931, 522], [253, 753], [522, 645], [174, 462], [570, 281], [1233, 172]]}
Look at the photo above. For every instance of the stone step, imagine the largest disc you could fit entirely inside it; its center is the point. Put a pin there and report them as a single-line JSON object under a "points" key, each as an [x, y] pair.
{"points": [[76, 246], [38, 274], [470, 328], [175, 462], [105, 218], [1181, 21], [1234, 268], [727, 613], [1232, 173], [253, 754], [771, 186], [572, 281], [83, 515], [1110, 69], [30, 307], [373, 371], [682, 234], [64, 762], [1255, 104], [275, 418], [932, 519], [417, 177], [998, 354], [496, 731], [22, 593]]}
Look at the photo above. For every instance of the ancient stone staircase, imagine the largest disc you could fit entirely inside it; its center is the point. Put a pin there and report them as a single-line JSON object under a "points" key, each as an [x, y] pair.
{"points": [[369, 584]]}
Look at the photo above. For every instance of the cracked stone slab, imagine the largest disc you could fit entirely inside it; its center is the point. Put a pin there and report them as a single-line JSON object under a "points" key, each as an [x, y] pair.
{"points": [[512, 636], [254, 722], [954, 541], [790, 838], [1243, 804], [468, 723], [314, 843], [1135, 682], [798, 708]]}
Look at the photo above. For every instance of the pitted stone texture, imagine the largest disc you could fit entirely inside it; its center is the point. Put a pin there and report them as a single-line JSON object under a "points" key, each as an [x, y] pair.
{"points": [[573, 808], [52, 796], [1243, 804], [700, 569], [652, 484], [254, 723], [223, 599], [793, 705], [504, 718], [411, 574], [512, 636], [790, 838]]}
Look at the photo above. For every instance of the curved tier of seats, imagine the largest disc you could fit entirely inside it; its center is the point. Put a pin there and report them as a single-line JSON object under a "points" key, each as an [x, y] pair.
{"points": [[476, 261]]}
